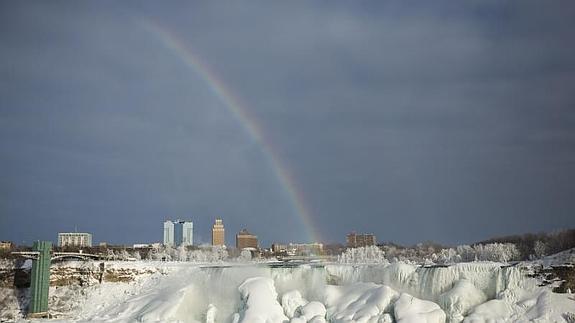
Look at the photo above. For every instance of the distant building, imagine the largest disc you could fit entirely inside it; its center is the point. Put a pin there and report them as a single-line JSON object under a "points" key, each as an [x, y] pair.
{"points": [[74, 239], [244, 239], [6, 245], [188, 233], [168, 233], [279, 248], [178, 233], [218, 233], [355, 240], [298, 249]]}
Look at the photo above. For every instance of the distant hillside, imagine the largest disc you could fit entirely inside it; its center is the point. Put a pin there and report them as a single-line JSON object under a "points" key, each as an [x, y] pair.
{"points": [[539, 244]]}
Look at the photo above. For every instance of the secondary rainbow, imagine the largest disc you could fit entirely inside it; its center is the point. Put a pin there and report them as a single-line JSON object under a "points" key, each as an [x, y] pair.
{"points": [[234, 104]]}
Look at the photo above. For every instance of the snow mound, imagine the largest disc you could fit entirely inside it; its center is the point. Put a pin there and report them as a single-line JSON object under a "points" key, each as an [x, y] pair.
{"points": [[360, 302], [458, 301], [409, 309], [260, 302]]}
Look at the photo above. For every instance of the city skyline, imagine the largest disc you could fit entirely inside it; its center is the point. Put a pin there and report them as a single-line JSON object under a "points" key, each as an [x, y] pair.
{"points": [[300, 121]]}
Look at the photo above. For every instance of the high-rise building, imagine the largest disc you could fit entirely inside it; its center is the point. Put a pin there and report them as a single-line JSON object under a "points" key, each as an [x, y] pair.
{"points": [[74, 239], [178, 233], [244, 239], [187, 233], [355, 240], [168, 233], [218, 233]]}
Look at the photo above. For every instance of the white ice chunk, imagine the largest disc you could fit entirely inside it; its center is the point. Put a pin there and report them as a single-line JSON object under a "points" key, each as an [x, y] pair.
{"points": [[312, 310], [495, 310], [291, 301], [360, 302], [260, 301], [458, 301], [409, 309]]}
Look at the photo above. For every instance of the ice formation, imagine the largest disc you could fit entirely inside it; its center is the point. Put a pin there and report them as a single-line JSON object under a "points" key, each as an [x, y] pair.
{"points": [[409, 309], [458, 301], [291, 301], [359, 302], [260, 303], [398, 292]]}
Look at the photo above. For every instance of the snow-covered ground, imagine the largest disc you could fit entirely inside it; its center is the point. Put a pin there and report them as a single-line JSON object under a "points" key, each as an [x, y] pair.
{"points": [[398, 292]]}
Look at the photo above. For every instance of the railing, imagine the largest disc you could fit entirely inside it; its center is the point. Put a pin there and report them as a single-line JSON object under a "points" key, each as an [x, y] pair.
{"points": [[57, 255]]}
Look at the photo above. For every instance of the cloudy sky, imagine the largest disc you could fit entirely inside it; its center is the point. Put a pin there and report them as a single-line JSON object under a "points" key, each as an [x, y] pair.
{"points": [[446, 120]]}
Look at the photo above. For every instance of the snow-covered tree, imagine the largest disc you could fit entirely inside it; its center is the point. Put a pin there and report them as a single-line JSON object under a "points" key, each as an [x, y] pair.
{"points": [[540, 249], [466, 253], [502, 252], [369, 254], [182, 254], [245, 255], [124, 255]]}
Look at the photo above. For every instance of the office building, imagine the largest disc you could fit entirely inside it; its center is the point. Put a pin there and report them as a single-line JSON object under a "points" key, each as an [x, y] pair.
{"points": [[74, 239], [355, 240], [178, 233], [218, 233], [244, 239]]}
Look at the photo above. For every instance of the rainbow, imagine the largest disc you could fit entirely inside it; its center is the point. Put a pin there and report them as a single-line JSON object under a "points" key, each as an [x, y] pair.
{"points": [[237, 108]]}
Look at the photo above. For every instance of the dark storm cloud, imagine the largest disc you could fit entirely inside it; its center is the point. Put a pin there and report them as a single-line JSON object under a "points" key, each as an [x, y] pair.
{"points": [[442, 121]]}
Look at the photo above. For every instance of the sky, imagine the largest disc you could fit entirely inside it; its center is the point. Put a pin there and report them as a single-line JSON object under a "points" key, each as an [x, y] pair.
{"points": [[301, 121]]}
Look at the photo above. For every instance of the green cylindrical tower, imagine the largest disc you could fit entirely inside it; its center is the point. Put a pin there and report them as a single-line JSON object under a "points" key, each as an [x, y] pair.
{"points": [[40, 283]]}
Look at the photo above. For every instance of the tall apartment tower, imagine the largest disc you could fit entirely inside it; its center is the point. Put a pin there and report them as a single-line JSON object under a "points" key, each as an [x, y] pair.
{"points": [[168, 233], [187, 233], [218, 233], [178, 233]]}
